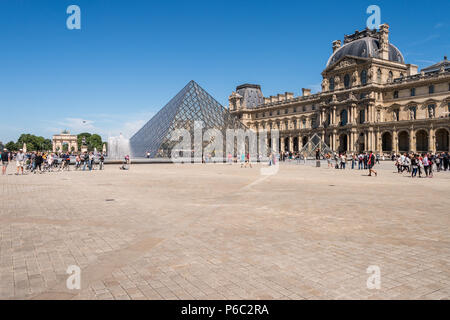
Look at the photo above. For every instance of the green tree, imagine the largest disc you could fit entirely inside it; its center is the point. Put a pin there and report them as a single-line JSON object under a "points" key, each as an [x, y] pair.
{"points": [[34, 143], [80, 137], [92, 141], [11, 146], [95, 141]]}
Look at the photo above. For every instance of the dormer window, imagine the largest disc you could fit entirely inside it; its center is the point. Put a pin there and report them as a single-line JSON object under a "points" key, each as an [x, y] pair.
{"points": [[379, 75]]}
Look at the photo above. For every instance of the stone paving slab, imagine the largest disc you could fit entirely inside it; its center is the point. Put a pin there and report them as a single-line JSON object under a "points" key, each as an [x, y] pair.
{"points": [[224, 232]]}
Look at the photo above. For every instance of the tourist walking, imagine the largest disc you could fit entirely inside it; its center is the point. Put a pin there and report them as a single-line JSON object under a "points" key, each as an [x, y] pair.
{"points": [[20, 158], [5, 158], [247, 160], [414, 166], [38, 160], [85, 159], [370, 163], [77, 162], [91, 160]]}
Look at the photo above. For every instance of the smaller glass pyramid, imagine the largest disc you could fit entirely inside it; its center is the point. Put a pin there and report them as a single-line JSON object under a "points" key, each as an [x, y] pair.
{"points": [[191, 104]]}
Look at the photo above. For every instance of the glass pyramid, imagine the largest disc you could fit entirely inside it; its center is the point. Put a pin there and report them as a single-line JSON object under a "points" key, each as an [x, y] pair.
{"points": [[191, 104]]}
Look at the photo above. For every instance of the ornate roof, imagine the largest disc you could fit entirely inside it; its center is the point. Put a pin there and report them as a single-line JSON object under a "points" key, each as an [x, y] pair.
{"points": [[367, 47], [437, 66], [251, 94]]}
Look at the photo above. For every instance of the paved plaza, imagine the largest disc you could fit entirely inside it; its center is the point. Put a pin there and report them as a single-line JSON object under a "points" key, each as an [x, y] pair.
{"points": [[163, 231]]}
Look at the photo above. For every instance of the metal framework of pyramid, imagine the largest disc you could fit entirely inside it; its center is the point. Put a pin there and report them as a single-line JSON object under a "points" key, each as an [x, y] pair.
{"points": [[191, 104], [314, 143]]}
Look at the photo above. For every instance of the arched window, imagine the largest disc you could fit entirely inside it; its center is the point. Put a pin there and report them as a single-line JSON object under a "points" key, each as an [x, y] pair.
{"points": [[347, 81], [390, 76], [379, 75], [363, 77], [331, 83]]}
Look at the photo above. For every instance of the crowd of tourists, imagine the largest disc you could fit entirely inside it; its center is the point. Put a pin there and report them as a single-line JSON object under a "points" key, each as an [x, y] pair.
{"points": [[423, 164], [40, 162]]}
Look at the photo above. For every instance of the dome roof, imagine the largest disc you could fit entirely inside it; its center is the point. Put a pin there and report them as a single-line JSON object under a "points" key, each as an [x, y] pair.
{"points": [[366, 47]]}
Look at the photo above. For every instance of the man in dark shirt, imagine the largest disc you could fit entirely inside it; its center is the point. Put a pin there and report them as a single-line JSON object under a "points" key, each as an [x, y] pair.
{"points": [[5, 158], [446, 160]]}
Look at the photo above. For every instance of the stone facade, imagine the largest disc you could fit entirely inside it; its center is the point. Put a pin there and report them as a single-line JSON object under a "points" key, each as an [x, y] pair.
{"points": [[65, 138], [370, 100]]}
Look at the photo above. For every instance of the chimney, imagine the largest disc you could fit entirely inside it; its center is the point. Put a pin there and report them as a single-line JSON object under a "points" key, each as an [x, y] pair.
{"points": [[306, 92], [336, 45], [384, 41]]}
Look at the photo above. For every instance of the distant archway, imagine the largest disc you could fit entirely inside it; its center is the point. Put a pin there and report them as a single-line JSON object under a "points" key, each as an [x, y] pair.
{"points": [[295, 142], [343, 145], [286, 144], [442, 140], [422, 141], [403, 141], [386, 142]]}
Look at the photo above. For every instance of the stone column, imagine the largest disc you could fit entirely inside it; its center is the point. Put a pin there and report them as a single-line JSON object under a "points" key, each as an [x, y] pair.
{"points": [[291, 144], [333, 140], [334, 115], [412, 144], [378, 140], [282, 143], [431, 141], [395, 141]]}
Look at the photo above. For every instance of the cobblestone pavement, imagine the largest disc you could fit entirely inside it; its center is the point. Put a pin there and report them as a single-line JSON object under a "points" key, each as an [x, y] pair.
{"points": [[221, 232]]}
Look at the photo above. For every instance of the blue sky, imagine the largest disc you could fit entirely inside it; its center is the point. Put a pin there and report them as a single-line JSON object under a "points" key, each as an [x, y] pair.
{"points": [[130, 57]]}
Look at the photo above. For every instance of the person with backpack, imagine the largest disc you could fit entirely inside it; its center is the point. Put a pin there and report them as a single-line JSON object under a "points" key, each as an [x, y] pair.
{"points": [[370, 163]]}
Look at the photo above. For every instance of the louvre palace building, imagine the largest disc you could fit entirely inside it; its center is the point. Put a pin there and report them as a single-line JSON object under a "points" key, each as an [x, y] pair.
{"points": [[371, 100]]}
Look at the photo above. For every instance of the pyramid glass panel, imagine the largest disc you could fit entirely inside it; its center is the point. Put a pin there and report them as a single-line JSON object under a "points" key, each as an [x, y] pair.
{"points": [[191, 104]]}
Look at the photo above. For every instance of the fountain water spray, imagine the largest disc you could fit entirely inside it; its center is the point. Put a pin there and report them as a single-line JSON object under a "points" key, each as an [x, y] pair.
{"points": [[118, 147]]}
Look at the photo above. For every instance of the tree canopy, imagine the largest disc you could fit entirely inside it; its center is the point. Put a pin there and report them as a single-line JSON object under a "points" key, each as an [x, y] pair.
{"points": [[34, 143], [92, 141]]}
